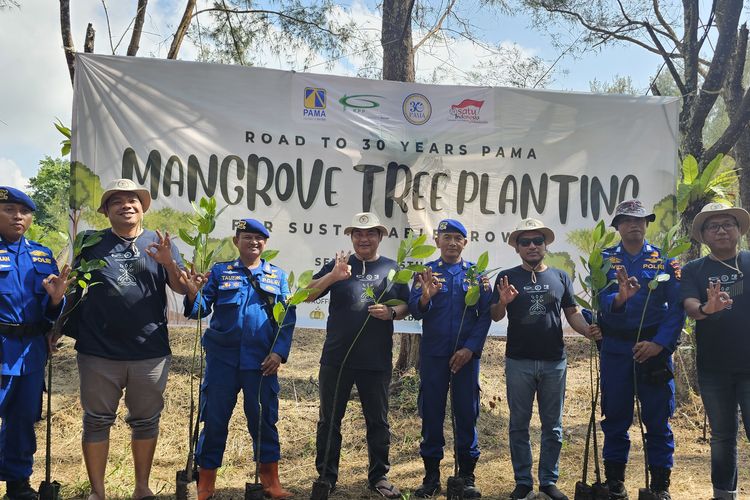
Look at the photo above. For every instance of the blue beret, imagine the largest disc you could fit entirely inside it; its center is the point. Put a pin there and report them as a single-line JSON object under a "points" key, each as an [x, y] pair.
{"points": [[451, 226], [13, 195], [252, 226]]}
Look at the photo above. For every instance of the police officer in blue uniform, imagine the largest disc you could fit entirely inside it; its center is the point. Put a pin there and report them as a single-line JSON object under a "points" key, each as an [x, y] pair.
{"points": [[449, 357], [244, 348], [635, 262], [31, 298]]}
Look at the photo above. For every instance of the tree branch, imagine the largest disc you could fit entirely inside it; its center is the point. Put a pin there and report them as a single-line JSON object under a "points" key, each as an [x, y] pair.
{"points": [[437, 25], [672, 35], [667, 60], [109, 27], [727, 140], [88, 43], [264, 11], [240, 56], [182, 28], [135, 38], [67, 37]]}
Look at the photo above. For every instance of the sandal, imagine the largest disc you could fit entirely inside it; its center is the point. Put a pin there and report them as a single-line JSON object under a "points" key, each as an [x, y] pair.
{"points": [[386, 489]]}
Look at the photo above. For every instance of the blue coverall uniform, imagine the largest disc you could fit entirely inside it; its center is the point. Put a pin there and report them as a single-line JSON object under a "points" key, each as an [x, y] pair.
{"points": [[441, 320], [240, 336], [662, 324], [24, 264]]}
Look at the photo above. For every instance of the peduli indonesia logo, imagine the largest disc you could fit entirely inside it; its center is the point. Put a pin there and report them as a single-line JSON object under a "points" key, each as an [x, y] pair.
{"points": [[417, 109], [315, 104], [467, 110]]}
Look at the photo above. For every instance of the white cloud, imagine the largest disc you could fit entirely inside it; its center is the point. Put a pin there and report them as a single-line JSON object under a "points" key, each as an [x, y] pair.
{"points": [[11, 174]]}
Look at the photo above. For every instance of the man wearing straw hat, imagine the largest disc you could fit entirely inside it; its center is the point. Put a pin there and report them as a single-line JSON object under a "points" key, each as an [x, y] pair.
{"points": [[642, 327], [713, 294], [533, 295], [358, 349], [121, 333], [31, 298]]}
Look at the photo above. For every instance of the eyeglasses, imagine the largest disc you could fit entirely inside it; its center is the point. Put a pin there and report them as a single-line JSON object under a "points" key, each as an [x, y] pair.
{"points": [[538, 241], [714, 228]]}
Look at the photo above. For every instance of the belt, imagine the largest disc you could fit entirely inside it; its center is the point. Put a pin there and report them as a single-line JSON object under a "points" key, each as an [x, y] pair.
{"points": [[24, 330], [647, 333]]}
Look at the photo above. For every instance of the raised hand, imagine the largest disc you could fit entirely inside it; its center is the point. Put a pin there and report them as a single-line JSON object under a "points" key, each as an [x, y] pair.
{"points": [[161, 251], [55, 285], [342, 270], [627, 286], [193, 281], [429, 283], [717, 299], [508, 292]]}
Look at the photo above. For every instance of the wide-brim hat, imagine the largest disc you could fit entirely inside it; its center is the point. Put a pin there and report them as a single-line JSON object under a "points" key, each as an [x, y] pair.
{"points": [[366, 220], [531, 225], [127, 185], [632, 208], [742, 216]]}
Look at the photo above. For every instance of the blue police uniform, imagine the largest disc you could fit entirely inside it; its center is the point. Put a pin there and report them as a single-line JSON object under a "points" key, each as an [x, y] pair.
{"points": [[25, 316], [662, 324], [441, 320], [239, 337]]}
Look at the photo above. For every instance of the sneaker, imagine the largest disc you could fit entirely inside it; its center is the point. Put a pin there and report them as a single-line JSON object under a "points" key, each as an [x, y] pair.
{"points": [[551, 491], [520, 492]]}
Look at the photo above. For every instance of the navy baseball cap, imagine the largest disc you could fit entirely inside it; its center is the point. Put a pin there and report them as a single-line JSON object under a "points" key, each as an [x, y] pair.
{"points": [[13, 195], [252, 226], [451, 226]]}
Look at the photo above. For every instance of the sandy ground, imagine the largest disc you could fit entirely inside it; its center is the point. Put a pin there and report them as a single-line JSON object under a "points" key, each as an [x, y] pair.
{"points": [[299, 411]]}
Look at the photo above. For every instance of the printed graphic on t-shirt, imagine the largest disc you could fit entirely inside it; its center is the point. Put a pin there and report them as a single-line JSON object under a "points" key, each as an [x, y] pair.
{"points": [[538, 294], [127, 262], [369, 279], [731, 283]]}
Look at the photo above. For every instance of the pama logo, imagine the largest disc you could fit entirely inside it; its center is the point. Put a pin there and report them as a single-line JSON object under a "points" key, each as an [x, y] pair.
{"points": [[467, 110], [315, 104], [417, 109]]}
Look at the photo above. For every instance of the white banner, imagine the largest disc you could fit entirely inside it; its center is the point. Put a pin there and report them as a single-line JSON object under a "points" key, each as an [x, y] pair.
{"points": [[305, 152]]}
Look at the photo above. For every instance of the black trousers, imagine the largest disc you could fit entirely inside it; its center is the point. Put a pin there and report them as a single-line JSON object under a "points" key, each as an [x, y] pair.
{"points": [[373, 387]]}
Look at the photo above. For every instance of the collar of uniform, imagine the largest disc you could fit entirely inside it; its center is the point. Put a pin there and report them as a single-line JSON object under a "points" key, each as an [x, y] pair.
{"points": [[15, 247], [647, 248], [264, 266], [462, 262]]}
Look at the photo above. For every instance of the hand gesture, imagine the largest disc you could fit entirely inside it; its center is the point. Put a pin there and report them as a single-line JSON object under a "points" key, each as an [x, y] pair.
{"points": [[508, 292], [645, 349], [161, 251], [594, 333], [429, 283], [717, 299], [55, 286], [193, 281], [342, 270], [270, 365], [627, 285], [380, 311]]}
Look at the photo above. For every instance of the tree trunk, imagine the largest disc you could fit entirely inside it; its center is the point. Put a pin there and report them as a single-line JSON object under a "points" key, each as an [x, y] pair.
{"points": [[398, 65]]}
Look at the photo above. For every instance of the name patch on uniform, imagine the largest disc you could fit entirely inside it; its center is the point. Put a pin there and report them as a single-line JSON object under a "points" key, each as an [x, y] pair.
{"points": [[43, 260]]}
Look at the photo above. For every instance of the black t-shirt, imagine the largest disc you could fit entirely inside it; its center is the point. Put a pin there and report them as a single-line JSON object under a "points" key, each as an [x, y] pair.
{"points": [[347, 312], [723, 339], [534, 322], [124, 317]]}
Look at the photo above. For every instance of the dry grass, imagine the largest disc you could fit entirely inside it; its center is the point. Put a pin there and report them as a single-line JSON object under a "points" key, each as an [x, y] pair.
{"points": [[299, 410]]}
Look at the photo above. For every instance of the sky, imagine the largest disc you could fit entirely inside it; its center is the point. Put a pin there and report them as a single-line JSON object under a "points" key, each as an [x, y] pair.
{"points": [[35, 88]]}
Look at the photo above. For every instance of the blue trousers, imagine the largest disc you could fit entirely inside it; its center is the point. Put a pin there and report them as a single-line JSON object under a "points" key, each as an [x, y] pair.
{"points": [[434, 375], [221, 384], [657, 406], [20, 409], [525, 379], [723, 393]]}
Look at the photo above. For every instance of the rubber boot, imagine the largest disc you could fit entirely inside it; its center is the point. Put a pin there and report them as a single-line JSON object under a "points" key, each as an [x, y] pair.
{"points": [[615, 474], [269, 478], [206, 483], [466, 467], [20, 490], [431, 482], [660, 482]]}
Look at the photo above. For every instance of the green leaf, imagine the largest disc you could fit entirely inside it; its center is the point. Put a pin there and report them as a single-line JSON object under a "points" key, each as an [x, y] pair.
{"points": [[401, 252], [653, 284], [184, 236], [87, 276], [391, 274], [62, 128], [290, 280], [483, 261], [269, 254], [82, 284], [583, 303], [689, 169], [420, 240], [678, 250], [598, 231], [417, 268], [422, 251], [65, 149], [305, 279], [662, 277], [472, 296], [403, 276], [394, 302], [279, 311]]}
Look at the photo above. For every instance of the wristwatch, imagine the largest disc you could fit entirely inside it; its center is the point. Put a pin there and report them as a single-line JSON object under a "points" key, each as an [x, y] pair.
{"points": [[393, 313], [700, 310]]}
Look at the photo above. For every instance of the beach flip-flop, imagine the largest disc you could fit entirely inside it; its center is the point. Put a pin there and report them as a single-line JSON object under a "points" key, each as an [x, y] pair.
{"points": [[386, 489]]}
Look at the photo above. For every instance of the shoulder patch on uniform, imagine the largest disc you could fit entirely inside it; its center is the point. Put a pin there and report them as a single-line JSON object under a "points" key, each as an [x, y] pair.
{"points": [[676, 269], [39, 253]]}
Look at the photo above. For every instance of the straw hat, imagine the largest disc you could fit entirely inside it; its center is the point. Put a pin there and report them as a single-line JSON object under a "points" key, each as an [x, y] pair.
{"points": [[743, 218], [531, 225], [119, 185], [366, 220]]}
